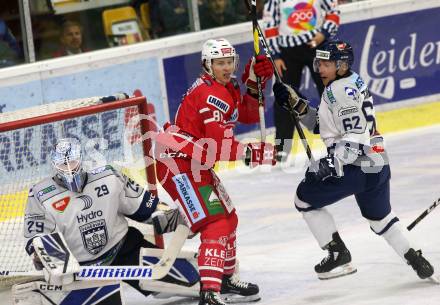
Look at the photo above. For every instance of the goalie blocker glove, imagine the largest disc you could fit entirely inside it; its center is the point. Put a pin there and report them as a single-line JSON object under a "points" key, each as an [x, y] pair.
{"points": [[59, 264]]}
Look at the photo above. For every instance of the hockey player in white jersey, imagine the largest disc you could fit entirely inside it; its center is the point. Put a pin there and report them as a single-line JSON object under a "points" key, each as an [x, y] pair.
{"points": [[356, 164], [87, 211]]}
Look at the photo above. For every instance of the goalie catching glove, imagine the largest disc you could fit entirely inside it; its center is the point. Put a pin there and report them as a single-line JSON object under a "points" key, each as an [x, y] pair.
{"points": [[290, 100], [257, 66], [59, 264]]}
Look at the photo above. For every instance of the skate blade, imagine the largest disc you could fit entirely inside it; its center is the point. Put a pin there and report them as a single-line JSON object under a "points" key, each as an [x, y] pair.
{"points": [[237, 298], [338, 272], [433, 279]]}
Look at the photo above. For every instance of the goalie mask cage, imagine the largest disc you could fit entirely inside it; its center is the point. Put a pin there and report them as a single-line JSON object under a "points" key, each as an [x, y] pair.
{"points": [[116, 133]]}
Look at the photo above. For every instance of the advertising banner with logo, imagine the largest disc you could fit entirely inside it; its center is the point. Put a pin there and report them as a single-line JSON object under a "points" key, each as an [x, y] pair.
{"points": [[398, 56]]}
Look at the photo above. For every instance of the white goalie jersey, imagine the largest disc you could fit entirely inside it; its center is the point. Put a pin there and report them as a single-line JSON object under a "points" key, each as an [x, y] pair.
{"points": [[92, 222]]}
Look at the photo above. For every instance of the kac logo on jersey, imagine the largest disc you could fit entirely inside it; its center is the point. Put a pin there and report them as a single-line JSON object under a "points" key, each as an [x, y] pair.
{"points": [[87, 201], [94, 236], [61, 205]]}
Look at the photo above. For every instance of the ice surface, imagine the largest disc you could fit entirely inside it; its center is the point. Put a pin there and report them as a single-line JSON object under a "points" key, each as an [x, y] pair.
{"points": [[277, 251]]}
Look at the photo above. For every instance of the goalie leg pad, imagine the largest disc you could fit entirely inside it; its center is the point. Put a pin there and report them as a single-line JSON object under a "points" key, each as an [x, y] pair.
{"points": [[319, 221], [41, 293], [182, 279]]}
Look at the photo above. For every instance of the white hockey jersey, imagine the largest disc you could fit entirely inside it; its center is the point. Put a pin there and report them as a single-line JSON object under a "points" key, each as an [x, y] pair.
{"points": [[346, 117], [93, 222], [346, 112]]}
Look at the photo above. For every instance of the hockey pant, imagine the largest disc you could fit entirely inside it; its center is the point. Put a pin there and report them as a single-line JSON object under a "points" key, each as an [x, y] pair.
{"points": [[200, 196]]}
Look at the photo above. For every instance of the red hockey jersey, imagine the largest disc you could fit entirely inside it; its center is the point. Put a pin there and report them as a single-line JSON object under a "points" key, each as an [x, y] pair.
{"points": [[206, 118]]}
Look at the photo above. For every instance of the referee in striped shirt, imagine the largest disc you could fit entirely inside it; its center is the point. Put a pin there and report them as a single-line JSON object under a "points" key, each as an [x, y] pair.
{"points": [[294, 28]]}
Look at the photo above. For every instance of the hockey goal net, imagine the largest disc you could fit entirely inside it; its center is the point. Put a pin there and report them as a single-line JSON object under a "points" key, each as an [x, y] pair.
{"points": [[115, 133]]}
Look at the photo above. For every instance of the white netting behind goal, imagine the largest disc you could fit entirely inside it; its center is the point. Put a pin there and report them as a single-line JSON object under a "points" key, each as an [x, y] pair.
{"points": [[108, 137]]}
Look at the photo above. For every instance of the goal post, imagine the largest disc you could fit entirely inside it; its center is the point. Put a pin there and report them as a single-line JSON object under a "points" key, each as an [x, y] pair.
{"points": [[115, 133]]}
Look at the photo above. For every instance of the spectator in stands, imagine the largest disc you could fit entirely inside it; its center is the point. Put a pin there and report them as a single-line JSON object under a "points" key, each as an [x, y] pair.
{"points": [[10, 52], [215, 13], [169, 17], [70, 39]]}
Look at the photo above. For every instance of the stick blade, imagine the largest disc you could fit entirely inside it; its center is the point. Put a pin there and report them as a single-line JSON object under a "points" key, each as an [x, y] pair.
{"points": [[164, 265]]}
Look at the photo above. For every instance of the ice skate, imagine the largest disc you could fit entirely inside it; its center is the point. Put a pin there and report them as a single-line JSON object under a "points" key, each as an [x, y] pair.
{"points": [[338, 261], [235, 291], [420, 265], [210, 298]]}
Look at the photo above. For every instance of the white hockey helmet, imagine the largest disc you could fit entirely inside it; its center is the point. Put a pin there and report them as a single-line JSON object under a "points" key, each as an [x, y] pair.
{"points": [[67, 161], [217, 48]]}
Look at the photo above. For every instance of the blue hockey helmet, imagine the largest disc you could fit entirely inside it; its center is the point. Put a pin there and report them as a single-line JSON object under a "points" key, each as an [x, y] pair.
{"points": [[338, 51], [67, 161]]}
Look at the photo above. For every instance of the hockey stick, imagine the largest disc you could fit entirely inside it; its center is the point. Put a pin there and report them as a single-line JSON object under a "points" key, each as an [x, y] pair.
{"points": [[294, 98], [118, 273], [423, 215], [253, 13]]}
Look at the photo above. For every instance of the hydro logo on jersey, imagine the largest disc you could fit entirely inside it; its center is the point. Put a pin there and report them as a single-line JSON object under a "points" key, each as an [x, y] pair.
{"points": [[88, 201]]}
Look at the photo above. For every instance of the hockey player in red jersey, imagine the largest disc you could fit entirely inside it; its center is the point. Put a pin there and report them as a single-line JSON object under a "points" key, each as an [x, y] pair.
{"points": [[187, 151]]}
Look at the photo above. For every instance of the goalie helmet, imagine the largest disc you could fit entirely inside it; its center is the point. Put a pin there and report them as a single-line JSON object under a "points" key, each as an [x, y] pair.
{"points": [[67, 161], [338, 51], [217, 48]]}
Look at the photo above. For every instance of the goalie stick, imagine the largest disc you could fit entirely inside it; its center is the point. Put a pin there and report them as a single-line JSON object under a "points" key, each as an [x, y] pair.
{"points": [[423, 215], [118, 273], [294, 97]]}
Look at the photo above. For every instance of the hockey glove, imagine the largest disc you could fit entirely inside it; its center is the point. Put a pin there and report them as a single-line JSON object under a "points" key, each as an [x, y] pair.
{"points": [[259, 153], [284, 97], [167, 221], [259, 66], [327, 167]]}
